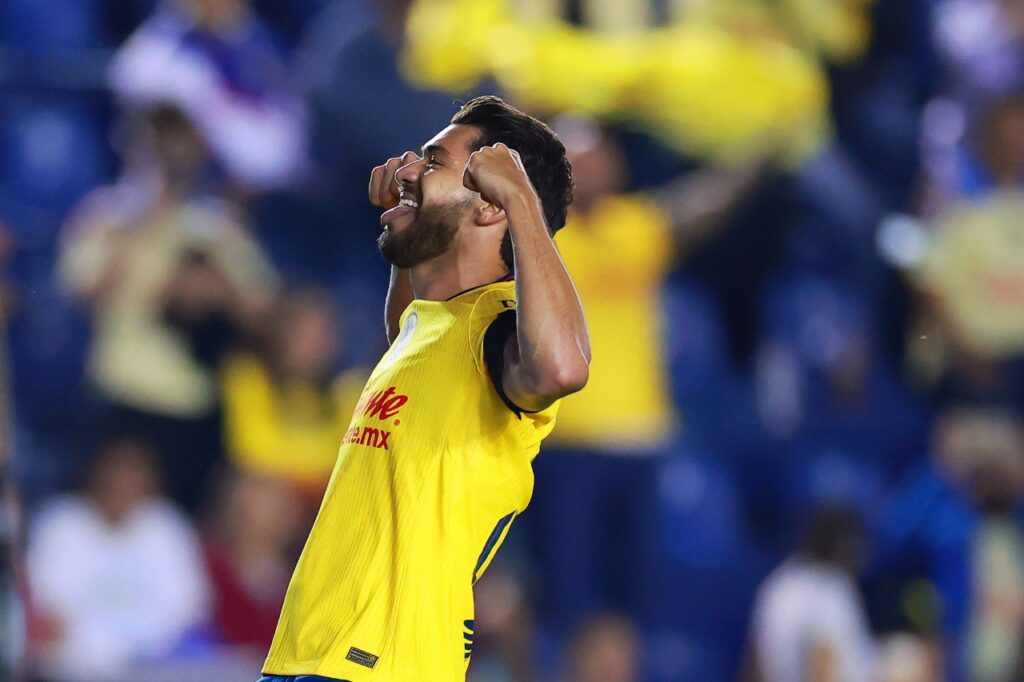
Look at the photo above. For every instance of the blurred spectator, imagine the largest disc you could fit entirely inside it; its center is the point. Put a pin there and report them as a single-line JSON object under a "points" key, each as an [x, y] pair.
{"points": [[970, 339], [180, 295], [115, 571], [215, 60], [809, 621], [257, 530], [502, 631], [285, 410], [169, 275], [12, 616], [350, 50], [7, 303], [982, 43], [960, 520], [975, 154], [607, 648], [612, 435], [11, 621], [908, 658]]}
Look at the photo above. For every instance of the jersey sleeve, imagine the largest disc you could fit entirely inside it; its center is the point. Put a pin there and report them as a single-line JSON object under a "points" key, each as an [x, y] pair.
{"points": [[494, 343], [493, 322], [486, 311]]}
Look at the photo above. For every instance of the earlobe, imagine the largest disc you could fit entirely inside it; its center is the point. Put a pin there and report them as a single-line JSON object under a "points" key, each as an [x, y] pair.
{"points": [[489, 214]]}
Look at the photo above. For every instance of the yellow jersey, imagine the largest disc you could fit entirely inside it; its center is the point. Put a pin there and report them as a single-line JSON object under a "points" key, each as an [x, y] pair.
{"points": [[290, 431], [431, 472], [619, 254]]}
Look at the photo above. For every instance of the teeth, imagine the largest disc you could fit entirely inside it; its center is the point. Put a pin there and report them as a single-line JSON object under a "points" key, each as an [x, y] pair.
{"points": [[411, 203]]}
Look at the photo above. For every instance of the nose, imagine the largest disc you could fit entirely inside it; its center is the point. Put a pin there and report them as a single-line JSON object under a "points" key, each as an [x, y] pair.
{"points": [[409, 174]]}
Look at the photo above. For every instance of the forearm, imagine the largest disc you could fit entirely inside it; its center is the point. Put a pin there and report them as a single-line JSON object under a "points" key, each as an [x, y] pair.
{"points": [[699, 204], [554, 347], [398, 299]]}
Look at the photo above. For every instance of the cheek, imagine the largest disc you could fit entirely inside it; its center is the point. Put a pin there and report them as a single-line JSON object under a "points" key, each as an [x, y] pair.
{"points": [[444, 187]]}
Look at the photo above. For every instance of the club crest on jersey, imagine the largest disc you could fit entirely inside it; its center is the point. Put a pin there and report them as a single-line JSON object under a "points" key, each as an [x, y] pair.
{"points": [[383, 405]]}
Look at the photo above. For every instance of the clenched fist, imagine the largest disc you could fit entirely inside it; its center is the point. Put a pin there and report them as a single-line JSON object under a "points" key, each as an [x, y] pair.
{"points": [[497, 173], [384, 189]]}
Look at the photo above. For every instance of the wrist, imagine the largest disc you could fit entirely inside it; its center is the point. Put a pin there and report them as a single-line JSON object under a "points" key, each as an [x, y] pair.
{"points": [[523, 205], [514, 191]]}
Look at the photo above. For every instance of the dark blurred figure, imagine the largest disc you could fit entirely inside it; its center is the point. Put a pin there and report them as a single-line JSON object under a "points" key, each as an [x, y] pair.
{"points": [[11, 618], [286, 406], [960, 520], [809, 621], [255, 535], [612, 436], [217, 61], [12, 613], [170, 277], [115, 572], [504, 632], [7, 303], [606, 648], [351, 49], [975, 153]]}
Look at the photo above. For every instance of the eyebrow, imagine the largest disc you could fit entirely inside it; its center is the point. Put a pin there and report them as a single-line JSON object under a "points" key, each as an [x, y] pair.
{"points": [[435, 149]]}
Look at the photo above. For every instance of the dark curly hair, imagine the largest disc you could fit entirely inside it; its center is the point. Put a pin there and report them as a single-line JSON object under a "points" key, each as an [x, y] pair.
{"points": [[543, 155]]}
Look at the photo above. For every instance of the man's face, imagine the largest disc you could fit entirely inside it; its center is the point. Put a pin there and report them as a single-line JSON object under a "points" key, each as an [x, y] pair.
{"points": [[434, 201]]}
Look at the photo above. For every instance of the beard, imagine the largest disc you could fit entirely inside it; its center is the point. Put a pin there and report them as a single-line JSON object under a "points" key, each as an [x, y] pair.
{"points": [[427, 237]]}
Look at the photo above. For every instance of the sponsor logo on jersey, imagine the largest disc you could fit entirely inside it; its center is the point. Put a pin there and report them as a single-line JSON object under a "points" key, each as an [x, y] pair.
{"points": [[384, 406], [367, 435], [380, 404]]}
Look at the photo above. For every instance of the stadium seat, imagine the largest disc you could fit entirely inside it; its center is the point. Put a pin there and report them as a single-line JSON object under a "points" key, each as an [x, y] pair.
{"points": [[41, 26], [834, 475], [52, 151], [703, 520], [715, 401], [812, 315]]}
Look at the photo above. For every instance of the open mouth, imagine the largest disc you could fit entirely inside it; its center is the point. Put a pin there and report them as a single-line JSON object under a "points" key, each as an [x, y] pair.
{"points": [[406, 206]]}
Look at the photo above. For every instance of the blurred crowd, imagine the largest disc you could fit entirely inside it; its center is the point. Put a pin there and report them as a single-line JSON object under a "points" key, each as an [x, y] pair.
{"points": [[801, 452]]}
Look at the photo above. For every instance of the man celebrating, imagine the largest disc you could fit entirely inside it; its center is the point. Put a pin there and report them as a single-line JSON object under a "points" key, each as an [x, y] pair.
{"points": [[487, 333]]}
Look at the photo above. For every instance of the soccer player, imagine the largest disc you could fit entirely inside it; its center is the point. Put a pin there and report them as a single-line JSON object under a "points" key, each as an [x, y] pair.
{"points": [[487, 333]]}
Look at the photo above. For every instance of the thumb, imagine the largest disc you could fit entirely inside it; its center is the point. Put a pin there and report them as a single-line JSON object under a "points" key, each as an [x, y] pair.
{"points": [[467, 179]]}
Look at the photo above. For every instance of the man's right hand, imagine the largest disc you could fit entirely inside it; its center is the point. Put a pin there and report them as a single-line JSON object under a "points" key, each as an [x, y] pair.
{"points": [[383, 183]]}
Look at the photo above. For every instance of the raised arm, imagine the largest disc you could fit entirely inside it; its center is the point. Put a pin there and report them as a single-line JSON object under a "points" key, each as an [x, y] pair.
{"points": [[549, 355], [384, 193], [699, 204]]}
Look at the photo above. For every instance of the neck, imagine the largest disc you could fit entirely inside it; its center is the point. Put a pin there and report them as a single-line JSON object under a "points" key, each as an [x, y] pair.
{"points": [[448, 275]]}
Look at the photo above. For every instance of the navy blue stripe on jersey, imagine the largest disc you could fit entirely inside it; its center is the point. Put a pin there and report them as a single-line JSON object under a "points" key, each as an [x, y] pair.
{"points": [[497, 335], [492, 541]]}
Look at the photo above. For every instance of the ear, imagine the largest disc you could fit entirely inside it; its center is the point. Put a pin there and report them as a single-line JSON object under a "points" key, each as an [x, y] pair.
{"points": [[486, 214]]}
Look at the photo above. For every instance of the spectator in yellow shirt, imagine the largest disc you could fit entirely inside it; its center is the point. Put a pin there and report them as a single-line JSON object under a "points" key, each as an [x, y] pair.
{"points": [[285, 409], [611, 436]]}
